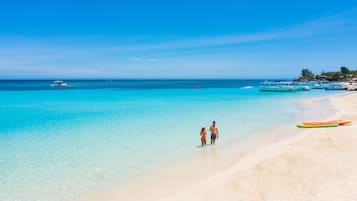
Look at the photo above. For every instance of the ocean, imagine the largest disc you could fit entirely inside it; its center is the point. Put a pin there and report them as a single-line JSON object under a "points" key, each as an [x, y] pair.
{"points": [[59, 143]]}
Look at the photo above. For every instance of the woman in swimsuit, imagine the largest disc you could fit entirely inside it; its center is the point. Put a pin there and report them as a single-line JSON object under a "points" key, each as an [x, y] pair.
{"points": [[203, 136]]}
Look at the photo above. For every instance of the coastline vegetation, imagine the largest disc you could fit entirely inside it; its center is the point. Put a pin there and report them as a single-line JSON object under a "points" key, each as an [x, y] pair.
{"points": [[344, 74]]}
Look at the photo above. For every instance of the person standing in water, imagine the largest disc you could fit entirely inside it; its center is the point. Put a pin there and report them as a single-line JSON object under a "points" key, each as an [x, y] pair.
{"points": [[214, 132], [203, 136]]}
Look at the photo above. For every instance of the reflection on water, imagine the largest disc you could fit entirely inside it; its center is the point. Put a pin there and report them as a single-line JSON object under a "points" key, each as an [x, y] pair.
{"points": [[204, 156]]}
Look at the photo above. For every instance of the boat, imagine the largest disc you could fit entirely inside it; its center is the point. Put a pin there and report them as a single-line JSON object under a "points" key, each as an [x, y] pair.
{"points": [[352, 86], [247, 87], [316, 85], [336, 86], [301, 86], [339, 122], [59, 83], [316, 126], [277, 87]]}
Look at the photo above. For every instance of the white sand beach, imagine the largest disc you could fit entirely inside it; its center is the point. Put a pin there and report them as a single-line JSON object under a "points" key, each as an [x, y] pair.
{"points": [[309, 164]]}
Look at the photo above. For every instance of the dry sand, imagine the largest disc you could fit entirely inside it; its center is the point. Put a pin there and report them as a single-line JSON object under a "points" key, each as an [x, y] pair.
{"points": [[310, 164]]}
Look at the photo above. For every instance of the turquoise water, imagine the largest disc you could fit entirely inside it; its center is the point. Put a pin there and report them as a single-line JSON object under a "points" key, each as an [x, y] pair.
{"points": [[58, 144]]}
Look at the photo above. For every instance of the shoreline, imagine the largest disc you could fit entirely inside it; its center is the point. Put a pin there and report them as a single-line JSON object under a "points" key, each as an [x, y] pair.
{"points": [[317, 164], [201, 167]]}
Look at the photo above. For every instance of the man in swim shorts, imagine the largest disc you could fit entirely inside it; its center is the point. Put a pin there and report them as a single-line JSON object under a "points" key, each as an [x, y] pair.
{"points": [[214, 132]]}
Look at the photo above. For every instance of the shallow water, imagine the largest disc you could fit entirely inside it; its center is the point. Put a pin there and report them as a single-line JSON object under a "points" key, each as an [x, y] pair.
{"points": [[58, 144]]}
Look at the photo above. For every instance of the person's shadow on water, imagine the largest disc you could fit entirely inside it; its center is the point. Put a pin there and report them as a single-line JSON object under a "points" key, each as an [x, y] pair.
{"points": [[207, 145]]}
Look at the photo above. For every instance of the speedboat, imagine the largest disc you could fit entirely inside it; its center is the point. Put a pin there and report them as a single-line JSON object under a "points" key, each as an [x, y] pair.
{"points": [[59, 83]]}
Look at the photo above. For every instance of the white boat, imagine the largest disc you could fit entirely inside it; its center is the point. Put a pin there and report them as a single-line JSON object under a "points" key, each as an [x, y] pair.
{"points": [[277, 87], [59, 83], [316, 85], [352, 86], [303, 88]]}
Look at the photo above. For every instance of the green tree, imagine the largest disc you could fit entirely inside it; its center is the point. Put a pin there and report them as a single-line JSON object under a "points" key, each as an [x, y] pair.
{"points": [[344, 70], [334, 76], [306, 74]]}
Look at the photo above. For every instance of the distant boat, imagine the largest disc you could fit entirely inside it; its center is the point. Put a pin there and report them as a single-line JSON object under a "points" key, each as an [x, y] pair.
{"points": [[336, 86], [247, 87], [277, 87], [316, 85], [301, 86], [352, 86], [59, 83]]}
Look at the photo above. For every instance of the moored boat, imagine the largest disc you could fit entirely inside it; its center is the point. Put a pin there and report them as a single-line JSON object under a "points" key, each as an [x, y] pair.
{"points": [[301, 86], [336, 86], [317, 85], [352, 86], [59, 83], [277, 87]]}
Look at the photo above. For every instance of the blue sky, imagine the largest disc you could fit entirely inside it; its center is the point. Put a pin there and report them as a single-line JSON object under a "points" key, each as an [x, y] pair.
{"points": [[175, 39]]}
